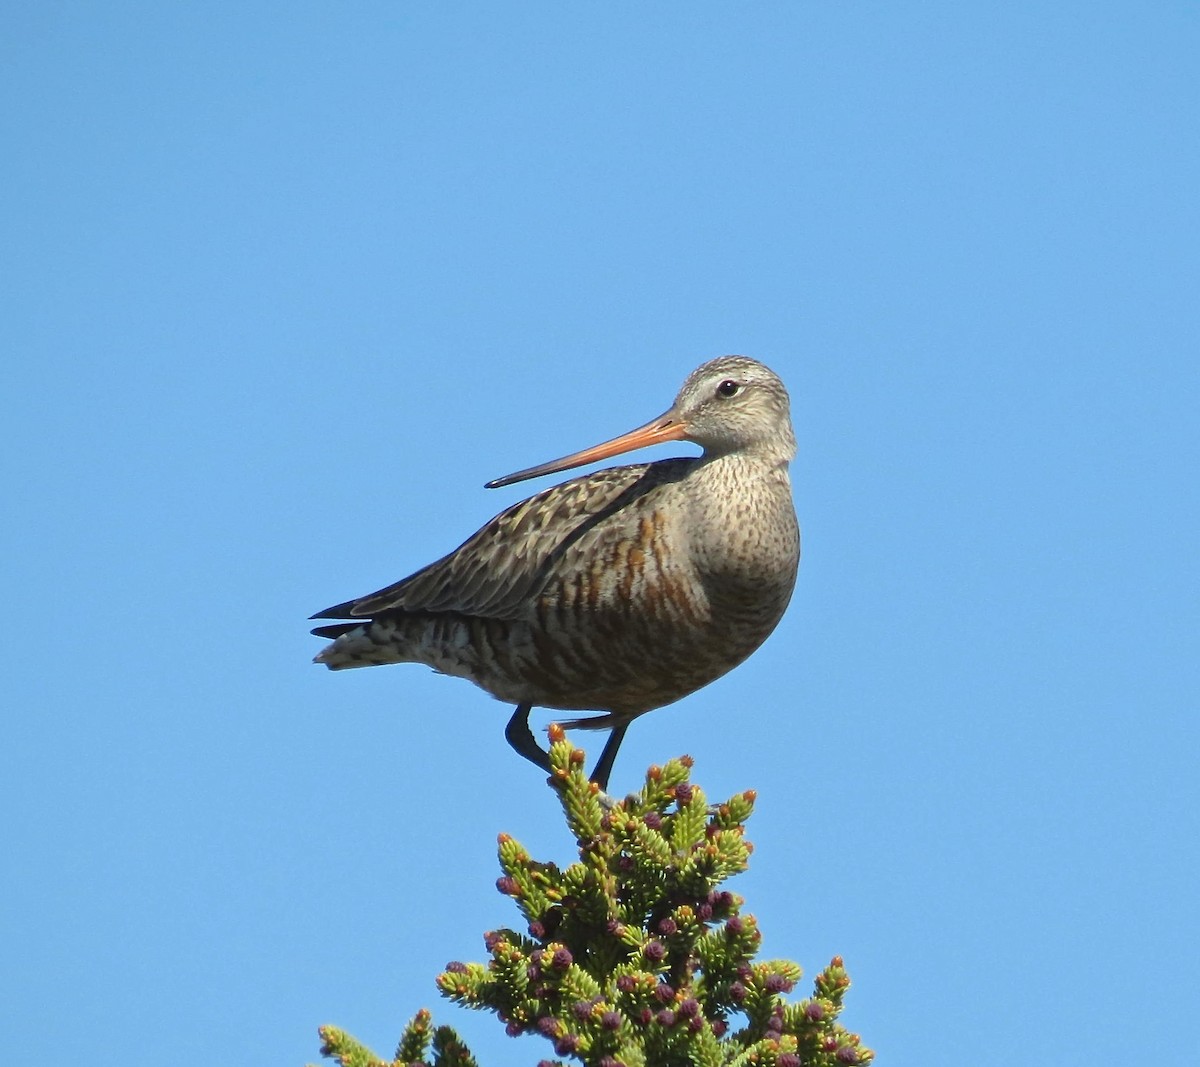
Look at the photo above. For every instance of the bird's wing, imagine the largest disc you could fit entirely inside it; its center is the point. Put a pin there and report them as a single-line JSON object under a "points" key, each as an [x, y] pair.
{"points": [[496, 572]]}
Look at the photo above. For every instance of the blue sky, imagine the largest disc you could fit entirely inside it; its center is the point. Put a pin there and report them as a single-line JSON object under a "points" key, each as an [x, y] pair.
{"points": [[284, 285]]}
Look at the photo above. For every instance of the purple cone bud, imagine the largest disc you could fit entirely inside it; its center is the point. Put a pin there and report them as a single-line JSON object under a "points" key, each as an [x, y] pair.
{"points": [[695, 1024], [719, 1026], [668, 927], [566, 1044], [684, 793], [611, 1020], [690, 1007], [562, 958], [454, 967], [777, 983], [788, 1059], [582, 1010], [653, 820], [814, 1011], [735, 925], [548, 1026], [491, 939], [666, 1017], [704, 912], [610, 1061], [654, 951], [627, 983], [847, 1054], [513, 1030], [664, 993], [507, 885], [533, 972], [737, 992], [644, 1016], [745, 972], [536, 930]]}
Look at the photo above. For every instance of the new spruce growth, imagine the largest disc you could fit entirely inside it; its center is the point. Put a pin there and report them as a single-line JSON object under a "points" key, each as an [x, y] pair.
{"points": [[633, 956]]}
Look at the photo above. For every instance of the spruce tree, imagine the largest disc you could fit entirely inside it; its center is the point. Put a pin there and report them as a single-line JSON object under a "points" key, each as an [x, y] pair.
{"points": [[633, 956]]}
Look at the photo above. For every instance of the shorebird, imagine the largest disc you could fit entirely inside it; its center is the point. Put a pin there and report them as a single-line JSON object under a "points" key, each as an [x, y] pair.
{"points": [[616, 592]]}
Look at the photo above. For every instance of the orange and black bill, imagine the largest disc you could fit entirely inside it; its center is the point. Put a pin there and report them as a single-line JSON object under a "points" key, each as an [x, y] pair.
{"points": [[667, 427]]}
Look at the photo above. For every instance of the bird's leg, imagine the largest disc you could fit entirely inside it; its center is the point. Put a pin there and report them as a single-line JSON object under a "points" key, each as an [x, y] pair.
{"points": [[604, 764], [520, 737]]}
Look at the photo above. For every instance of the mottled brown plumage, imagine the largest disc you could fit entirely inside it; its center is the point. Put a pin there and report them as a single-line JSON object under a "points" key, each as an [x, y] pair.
{"points": [[620, 591]]}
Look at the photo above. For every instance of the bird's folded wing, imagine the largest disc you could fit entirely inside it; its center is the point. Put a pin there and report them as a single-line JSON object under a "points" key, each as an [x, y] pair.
{"points": [[497, 571]]}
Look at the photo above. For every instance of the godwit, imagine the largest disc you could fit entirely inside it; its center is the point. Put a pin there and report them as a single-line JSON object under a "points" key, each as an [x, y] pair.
{"points": [[619, 591]]}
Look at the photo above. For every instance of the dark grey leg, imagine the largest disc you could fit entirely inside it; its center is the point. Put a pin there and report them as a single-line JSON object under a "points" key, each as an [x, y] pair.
{"points": [[604, 764], [520, 737]]}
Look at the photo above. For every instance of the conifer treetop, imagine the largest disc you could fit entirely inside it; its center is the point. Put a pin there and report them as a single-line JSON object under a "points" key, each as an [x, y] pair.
{"points": [[633, 956]]}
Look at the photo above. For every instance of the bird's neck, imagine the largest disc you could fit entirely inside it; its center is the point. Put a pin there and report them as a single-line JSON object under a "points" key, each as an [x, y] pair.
{"points": [[746, 467], [741, 489], [743, 536]]}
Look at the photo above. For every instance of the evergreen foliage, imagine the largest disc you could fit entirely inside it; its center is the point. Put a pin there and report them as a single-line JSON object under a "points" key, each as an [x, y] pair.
{"points": [[632, 956]]}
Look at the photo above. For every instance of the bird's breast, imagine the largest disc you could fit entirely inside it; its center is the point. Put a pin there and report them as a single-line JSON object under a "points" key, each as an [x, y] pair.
{"points": [[744, 539]]}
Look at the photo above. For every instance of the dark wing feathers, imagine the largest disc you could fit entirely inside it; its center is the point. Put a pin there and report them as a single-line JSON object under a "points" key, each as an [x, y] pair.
{"points": [[495, 572], [336, 630]]}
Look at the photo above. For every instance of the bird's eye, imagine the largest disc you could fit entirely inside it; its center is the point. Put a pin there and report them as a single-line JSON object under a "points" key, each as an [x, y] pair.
{"points": [[728, 388]]}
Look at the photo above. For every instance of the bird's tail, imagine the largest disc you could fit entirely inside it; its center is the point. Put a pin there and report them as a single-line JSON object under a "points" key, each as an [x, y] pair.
{"points": [[360, 644]]}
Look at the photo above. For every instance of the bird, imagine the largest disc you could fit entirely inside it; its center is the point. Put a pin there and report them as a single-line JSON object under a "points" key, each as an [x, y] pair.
{"points": [[616, 592]]}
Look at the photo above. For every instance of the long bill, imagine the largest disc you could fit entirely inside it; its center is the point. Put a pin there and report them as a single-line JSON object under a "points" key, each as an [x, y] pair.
{"points": [[667, 427]]}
